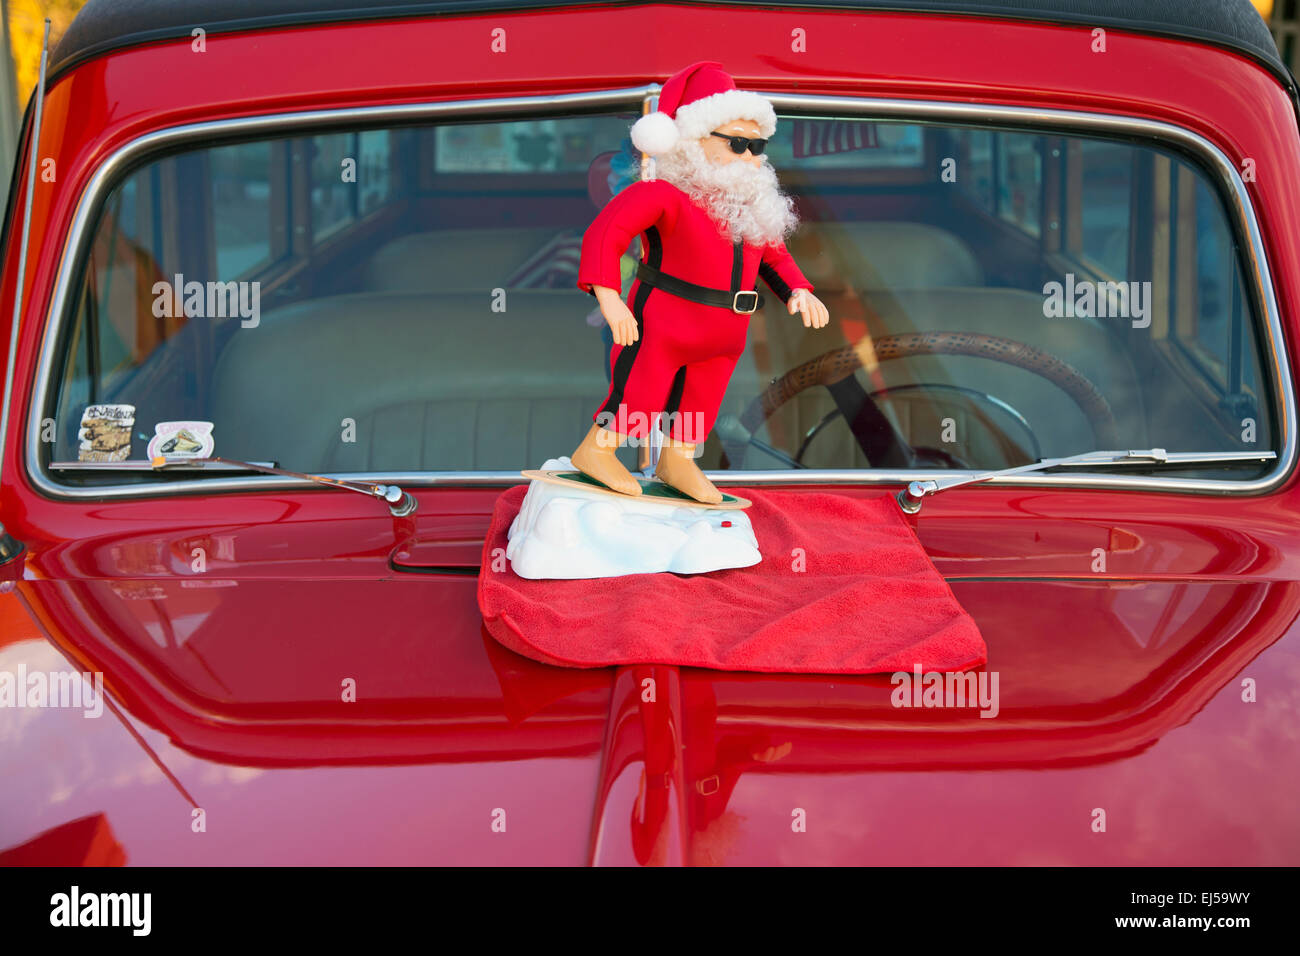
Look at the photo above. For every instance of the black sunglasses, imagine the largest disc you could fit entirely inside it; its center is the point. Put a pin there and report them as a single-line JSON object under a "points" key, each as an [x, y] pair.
{"points": [[741, 143]]}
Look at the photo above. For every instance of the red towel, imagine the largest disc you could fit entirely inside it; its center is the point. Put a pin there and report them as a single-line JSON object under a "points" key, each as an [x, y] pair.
{"points": [[844, 587]]}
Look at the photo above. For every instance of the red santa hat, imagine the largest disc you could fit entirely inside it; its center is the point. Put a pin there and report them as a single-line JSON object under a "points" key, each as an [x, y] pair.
{"points": [[693, 103]]}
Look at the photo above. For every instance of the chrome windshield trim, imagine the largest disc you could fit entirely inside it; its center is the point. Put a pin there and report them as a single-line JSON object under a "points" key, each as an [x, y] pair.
{"points": [[830, 476], [1260, 289]]}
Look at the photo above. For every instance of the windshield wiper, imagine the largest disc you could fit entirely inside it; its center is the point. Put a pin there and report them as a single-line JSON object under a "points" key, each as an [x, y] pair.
{"points": [[909, 499], [400, 503]]}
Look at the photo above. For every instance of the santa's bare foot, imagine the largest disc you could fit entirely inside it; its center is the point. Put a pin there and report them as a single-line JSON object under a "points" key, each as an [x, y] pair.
{"points": [[596, 458], [677, 468]]}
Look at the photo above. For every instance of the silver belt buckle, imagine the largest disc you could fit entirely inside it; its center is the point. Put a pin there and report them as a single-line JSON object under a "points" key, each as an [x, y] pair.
{"points": [[735, 302]]}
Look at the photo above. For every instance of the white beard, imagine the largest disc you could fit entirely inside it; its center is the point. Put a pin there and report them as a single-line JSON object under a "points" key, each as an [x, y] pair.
{"points": [[744, 201]]}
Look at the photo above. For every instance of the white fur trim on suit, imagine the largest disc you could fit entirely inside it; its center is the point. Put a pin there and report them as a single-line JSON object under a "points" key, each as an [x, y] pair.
{"points": [[699, 119]]}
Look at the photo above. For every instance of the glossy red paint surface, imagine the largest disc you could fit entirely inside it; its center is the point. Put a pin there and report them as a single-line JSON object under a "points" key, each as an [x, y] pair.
{"points": [[1119, 690]]}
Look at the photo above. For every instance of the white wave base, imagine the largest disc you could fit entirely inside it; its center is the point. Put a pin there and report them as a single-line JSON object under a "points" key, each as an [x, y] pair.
{"points": [[563, 532]]}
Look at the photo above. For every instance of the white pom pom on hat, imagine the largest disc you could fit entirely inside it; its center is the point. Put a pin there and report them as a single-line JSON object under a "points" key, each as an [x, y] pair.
{"points": [[655, 133], [694, 102]]}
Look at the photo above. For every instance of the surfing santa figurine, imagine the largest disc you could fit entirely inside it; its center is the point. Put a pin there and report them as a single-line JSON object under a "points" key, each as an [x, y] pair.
{"points": [[712, 222]]}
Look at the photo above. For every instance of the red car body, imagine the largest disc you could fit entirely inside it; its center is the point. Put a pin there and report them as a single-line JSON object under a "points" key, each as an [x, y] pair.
{"points": [[1121, 691]]}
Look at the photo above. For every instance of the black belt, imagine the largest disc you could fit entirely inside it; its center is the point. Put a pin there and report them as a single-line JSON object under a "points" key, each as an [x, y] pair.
{"points": [[722, 298]]}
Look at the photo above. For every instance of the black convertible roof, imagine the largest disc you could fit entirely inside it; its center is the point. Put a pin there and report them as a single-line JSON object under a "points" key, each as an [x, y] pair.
{"points": [[104, 25]]}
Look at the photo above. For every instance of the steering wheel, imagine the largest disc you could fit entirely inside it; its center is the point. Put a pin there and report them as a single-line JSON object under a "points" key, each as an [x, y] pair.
{"points": [[1016, 453], [877, 438]]}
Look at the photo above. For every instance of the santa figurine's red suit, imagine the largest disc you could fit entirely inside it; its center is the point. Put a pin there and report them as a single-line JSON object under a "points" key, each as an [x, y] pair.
{"points": [[711, 224]]}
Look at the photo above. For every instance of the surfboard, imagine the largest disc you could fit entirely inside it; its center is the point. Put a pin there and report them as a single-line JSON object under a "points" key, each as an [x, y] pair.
{"points": [[652, 490]]}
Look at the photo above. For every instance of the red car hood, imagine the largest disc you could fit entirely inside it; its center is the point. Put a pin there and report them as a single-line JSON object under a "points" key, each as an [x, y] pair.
{"points": [[338, 711]]}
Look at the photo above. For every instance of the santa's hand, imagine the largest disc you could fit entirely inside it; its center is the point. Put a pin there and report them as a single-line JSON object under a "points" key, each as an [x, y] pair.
{"points": [[623, 326], [622, 323], [815, 315]]}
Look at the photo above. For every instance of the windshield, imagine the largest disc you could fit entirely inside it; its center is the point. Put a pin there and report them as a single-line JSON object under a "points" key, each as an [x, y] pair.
{"points": [[405, 300]]}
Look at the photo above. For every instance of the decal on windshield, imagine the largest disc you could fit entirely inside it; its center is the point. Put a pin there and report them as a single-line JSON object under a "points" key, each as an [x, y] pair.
{"points": [[105, 433], [181, 440]]}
